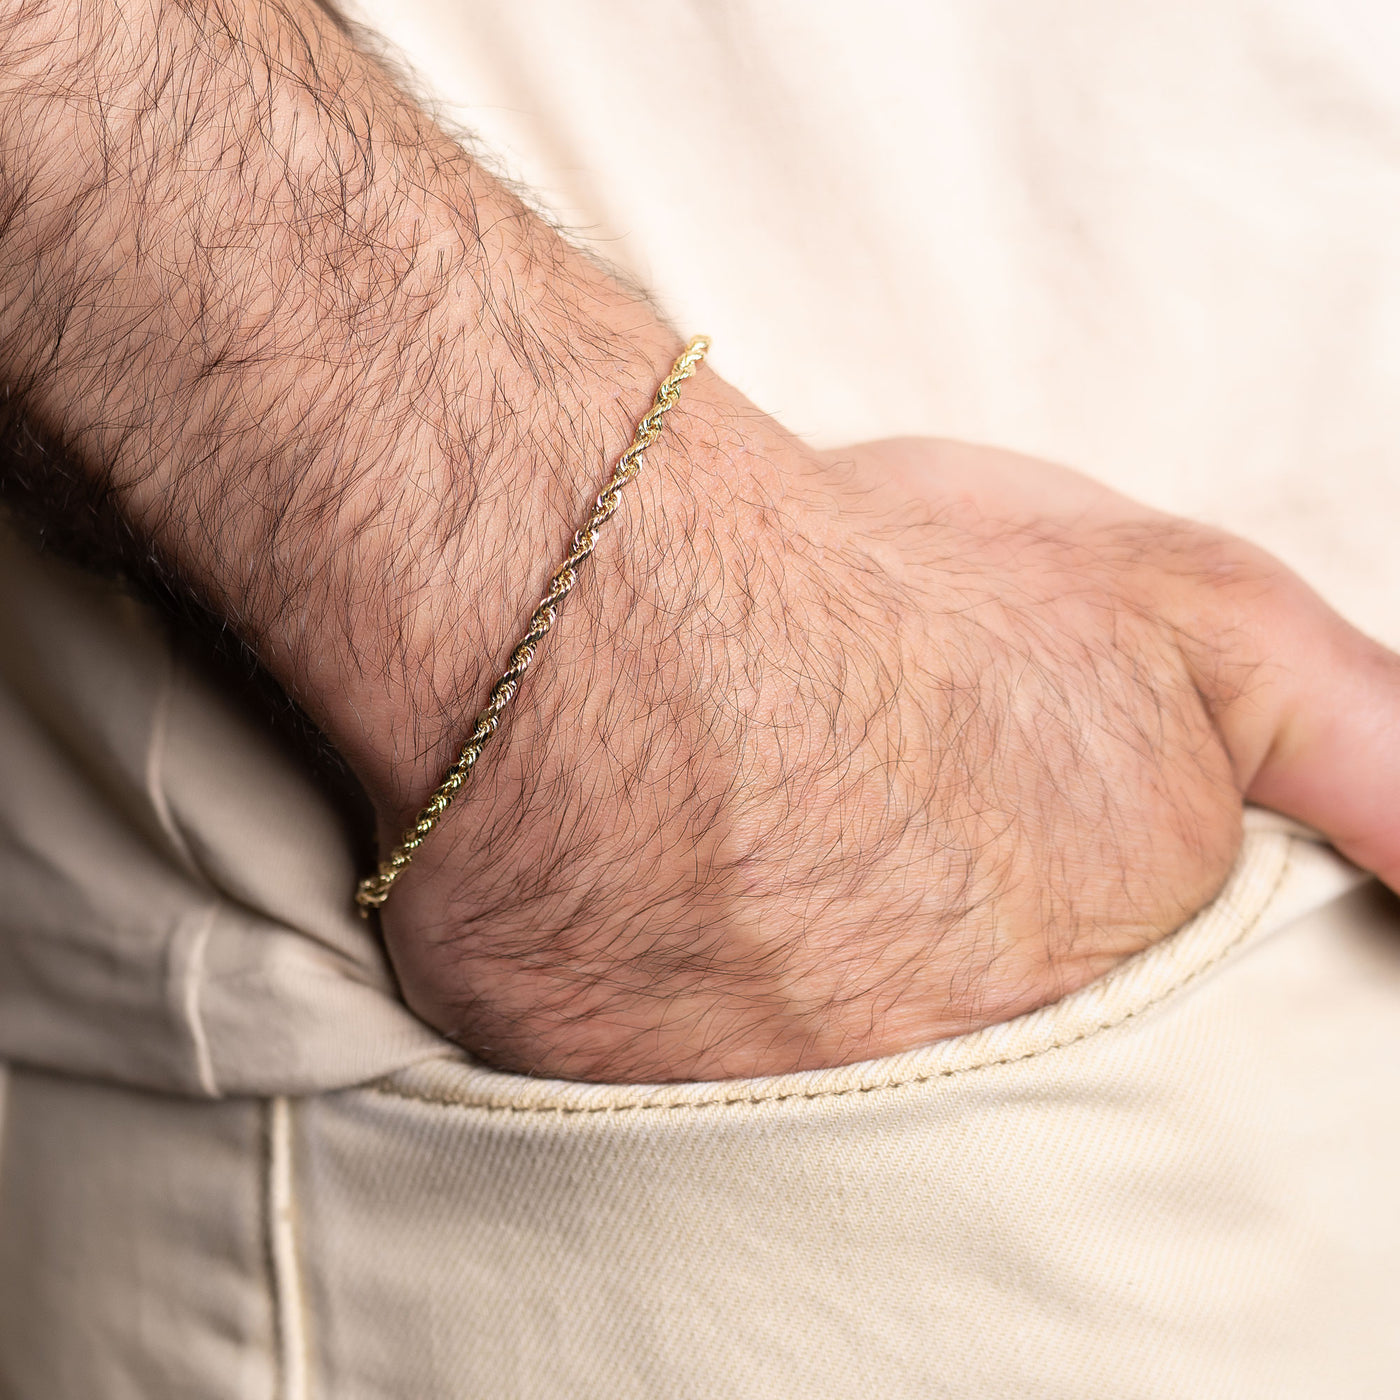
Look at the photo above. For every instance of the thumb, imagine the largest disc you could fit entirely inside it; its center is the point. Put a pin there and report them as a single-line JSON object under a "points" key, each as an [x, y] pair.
{"points": [[1330, 731]]}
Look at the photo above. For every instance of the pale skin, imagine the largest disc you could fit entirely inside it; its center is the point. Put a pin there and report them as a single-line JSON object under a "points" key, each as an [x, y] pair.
{"points": [[830, 755]]}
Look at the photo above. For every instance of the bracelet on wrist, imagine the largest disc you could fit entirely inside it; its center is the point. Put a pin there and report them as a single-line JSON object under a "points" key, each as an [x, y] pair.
{"points": [[374, 889]]}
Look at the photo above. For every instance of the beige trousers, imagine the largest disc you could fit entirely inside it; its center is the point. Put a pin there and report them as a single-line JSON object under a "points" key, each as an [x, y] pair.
{"points": [[1155, 241]]}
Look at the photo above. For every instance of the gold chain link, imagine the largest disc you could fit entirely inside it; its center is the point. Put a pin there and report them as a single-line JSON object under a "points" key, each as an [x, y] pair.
{"points": [[374, 889]]}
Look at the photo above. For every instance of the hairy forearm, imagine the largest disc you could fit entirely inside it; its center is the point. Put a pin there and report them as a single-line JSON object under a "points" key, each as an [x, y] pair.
{"points": [[358, 397], [348, 386]]}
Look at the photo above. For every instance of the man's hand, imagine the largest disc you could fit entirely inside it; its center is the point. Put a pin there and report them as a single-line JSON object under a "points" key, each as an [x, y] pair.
{"points": [[824, 758], [891, 745]]}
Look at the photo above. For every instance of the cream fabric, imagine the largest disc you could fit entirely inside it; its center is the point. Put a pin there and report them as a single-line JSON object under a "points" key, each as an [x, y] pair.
{"points": [[1179, 1181], [176, 913], [1155, 241]]}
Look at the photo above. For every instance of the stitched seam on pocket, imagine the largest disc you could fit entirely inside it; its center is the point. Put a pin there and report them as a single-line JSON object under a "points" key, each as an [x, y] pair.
{"points": [[389, 1088], [284, 1256]]}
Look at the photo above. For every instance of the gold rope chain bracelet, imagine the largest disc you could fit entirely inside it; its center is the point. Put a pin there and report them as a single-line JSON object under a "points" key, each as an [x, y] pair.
{"points": [[374, 889]]}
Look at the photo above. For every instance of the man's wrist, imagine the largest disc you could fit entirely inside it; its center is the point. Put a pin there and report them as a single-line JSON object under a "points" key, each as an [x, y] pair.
{"points": [[453, 575]]}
